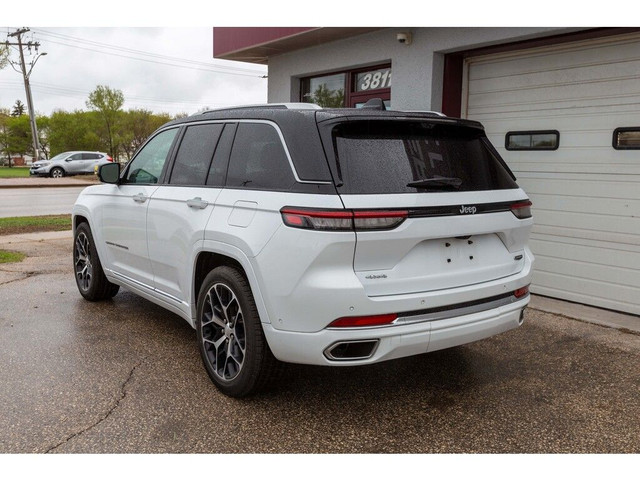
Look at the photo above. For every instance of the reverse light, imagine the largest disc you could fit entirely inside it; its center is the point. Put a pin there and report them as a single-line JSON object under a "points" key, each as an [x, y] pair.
{"points": [[342, 220], [365, 321], [521, 292], [522, 209]]}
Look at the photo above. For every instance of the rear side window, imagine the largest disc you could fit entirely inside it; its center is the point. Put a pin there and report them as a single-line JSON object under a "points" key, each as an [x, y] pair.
{"points": [[258, 159], [374, 157], [91, 156], [195, 153]]}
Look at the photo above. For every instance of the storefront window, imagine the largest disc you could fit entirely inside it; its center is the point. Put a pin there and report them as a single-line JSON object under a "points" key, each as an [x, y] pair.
{"points": [[373, 80], [327, 91], [349, 88]]}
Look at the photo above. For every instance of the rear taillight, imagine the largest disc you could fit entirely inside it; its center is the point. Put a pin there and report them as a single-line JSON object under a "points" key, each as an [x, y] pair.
{"points": [[342, 220], [317, 219], [521, 292], [378, 219], [109, 159], [366, 321], [521, 209]]}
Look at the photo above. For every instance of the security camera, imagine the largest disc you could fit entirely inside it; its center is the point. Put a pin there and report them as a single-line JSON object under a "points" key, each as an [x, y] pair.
{"points": [[404, 38]]}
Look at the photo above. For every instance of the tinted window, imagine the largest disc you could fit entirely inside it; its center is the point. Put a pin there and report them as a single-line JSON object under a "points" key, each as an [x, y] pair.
{"points": [[195, 154], [91, 156], [258, 159], [413, 157], [147, 166], [535, 140]]}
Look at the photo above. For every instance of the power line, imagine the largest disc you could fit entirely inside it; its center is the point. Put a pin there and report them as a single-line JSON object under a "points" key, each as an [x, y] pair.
{"points": [[145, 53], [206, 67]]}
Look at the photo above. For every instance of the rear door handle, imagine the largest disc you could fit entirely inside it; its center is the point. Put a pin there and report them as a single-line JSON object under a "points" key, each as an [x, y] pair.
{"points": [[197, 203], [140, 198]]}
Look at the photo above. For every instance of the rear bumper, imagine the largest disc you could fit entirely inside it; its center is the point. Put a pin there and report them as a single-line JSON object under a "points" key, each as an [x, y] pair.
{"points": [[395, 341]]}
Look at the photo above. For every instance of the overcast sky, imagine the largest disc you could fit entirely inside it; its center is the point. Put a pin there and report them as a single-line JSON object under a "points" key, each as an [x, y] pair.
{"points": [[161, 69]]}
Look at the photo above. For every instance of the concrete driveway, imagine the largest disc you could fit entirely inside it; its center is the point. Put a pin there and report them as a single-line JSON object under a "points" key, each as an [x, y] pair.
{"points": [[125, 376]]}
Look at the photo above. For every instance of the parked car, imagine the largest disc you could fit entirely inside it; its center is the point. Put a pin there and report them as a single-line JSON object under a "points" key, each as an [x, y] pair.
{"points": [[290, 233], [69, 163]]}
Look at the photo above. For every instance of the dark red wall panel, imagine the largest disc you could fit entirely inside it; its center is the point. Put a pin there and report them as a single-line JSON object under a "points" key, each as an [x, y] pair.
{"points": [[231, 39]]}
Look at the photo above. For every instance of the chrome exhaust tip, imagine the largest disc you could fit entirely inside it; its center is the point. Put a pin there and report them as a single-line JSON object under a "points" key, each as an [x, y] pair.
{"points": [[351, 350]]}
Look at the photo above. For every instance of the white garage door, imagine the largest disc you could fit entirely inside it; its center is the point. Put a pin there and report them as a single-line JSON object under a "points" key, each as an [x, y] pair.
{"points": [[586, 194]]}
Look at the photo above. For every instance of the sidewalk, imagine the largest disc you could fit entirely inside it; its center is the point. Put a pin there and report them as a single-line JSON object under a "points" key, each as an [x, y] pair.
{"points": [[39, 182]]}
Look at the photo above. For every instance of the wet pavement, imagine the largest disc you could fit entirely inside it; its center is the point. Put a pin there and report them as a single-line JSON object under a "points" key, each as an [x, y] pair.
{"points": [[126, 376]]}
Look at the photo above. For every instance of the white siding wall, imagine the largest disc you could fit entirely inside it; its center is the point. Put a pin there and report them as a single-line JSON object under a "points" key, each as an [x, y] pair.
{"points": [[586, 195]]}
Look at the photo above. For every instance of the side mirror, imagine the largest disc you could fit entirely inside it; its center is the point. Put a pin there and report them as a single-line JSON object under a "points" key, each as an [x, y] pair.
{"points": [[67, 159], [109, 173]]}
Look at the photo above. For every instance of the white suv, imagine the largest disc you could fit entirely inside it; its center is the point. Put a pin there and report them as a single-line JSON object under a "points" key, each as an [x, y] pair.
{"points": [[298, 234]]}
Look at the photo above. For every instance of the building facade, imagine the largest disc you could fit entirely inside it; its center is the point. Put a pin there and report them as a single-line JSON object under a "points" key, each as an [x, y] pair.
{"points": [[561, 105]]}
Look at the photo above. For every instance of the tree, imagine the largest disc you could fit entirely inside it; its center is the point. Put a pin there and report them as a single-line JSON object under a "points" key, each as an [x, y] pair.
{"points": [[108, 103], [328, 98], [5, 135], [136, 126], [74, 131], [15, 135], [4, 56], [18, 109]]}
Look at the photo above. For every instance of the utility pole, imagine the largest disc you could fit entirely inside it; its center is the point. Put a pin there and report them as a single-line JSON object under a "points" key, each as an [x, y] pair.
{"points": [[25, 76]]}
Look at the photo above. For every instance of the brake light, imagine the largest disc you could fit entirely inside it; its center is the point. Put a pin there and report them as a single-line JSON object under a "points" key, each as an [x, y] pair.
{"points": [[521, 292], [342, 220], [365, 321], [522, 209], [109, 159]]}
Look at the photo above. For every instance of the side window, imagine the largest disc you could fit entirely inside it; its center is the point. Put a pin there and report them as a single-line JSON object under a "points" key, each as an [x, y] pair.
{"points": [[91, 156], [75, 156], [147, 166], [195, 154], [258, 159]]}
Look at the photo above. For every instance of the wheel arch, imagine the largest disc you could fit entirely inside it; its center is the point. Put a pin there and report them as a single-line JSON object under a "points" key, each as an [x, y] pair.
{"points": [[214, 254]]}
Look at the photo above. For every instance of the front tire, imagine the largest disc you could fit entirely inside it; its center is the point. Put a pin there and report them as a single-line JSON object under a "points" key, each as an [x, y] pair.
{"points": [[57, 172], [232, 344], [90, 278]]}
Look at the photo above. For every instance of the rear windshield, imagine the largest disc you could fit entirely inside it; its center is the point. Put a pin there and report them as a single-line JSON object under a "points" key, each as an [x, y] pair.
{"points": [[375, 156]]}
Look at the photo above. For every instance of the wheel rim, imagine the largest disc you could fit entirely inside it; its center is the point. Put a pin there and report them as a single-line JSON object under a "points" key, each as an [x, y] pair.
{"points": [[83, 267], [223, 332], [56, 173]]}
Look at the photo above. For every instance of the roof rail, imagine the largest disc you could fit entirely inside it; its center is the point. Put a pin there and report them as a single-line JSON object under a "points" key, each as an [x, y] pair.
{"points": [[266, 106], [433, 112]]}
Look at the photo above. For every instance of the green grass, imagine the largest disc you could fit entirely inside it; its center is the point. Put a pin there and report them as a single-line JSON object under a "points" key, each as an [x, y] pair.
{"points": [[14, 172], [44, 223], [10, 257]]}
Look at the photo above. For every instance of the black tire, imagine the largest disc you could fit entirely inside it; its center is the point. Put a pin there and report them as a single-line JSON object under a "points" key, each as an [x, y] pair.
{"points": [[236, 371], [90, 279], [57, 172]]}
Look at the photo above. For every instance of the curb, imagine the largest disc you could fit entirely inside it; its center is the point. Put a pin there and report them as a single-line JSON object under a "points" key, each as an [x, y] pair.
{"points": [[50, 186]]}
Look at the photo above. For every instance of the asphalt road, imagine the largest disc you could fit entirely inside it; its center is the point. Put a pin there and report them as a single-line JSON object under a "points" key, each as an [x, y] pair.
{"points": [[19, 202], [125, 376]]}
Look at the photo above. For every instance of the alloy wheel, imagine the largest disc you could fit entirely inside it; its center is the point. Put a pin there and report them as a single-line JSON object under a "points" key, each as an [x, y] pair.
{"points": [[83, 267], [223, 332]]}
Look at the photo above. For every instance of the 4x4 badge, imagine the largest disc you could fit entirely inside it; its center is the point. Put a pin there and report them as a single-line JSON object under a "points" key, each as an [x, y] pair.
{"points": [[465, 210]]}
